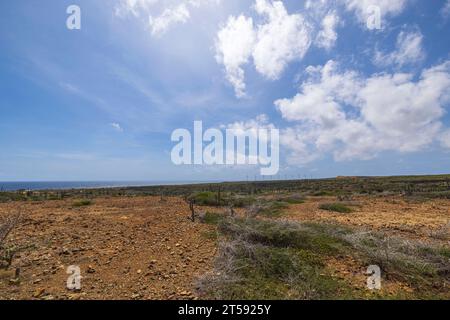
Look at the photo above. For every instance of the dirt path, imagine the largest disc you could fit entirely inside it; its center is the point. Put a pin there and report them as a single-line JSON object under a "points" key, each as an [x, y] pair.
{"points": [[127, 248]]}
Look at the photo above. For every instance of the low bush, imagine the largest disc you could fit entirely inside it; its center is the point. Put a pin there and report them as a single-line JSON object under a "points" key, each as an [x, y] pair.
{"points": [[272, 260], [82, 203], [212, 218], [205, 198], [336, 207]]}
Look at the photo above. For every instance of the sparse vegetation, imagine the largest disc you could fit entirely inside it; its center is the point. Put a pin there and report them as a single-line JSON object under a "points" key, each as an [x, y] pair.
{"points": [[336, 207], [205, 198], [273, 240], [82, 203], [422, 265], [7, 251], [214, 199], [292, 199], [256, 271], [212, 218], [284, 234], [425, 187], [273, 209], [267, 259], [272, 260]]}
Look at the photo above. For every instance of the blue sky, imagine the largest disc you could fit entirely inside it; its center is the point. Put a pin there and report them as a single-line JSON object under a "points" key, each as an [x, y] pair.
{"points": [[101, 103]]}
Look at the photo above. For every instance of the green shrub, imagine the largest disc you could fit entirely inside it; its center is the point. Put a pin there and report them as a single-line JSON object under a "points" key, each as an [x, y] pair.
{"points": [[336, 207], [284, 234], [205, 198], [212, 218], [444, 251], [292, 199], [241, 201], [210, 235], [272, 260], [271, 273], [273, 209], [210, 199], [82, 203], [267, 259]]}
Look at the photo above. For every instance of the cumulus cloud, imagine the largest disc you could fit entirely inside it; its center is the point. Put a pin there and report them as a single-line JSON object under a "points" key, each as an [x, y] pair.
{"points": [[280, 39], [234, 46], [327, 36], [353, 117], [409, 50], [318, 6], [173, 12], [363, 9], [283, 39]]}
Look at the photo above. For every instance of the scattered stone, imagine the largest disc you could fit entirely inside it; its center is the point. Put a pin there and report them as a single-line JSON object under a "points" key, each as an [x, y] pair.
{"points": [[38, 293], [65, 251]]}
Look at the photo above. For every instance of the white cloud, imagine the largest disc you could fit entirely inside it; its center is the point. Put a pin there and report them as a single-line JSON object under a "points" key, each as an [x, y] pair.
{"points": [[260, 122], [327, 37], [283, 39], [234, 47], [134, 7], [363, 9], [445, 139], [387, 7], [280, 39], [169, 17], [173, 12], [445, 11], [409, 50], [356, 118], [317, 5], [116, 126], [315, 102]]}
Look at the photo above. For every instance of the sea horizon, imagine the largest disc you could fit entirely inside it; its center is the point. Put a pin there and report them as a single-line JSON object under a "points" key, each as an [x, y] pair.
{"points": [[63, 185]]}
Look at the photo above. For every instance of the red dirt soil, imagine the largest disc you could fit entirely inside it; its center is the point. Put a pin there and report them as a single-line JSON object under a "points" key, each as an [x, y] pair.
{"points": [[127, 248]]}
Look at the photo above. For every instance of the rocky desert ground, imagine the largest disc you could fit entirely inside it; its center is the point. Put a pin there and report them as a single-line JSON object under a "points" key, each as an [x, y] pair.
{"points": [[146, 247], [126, 248]]}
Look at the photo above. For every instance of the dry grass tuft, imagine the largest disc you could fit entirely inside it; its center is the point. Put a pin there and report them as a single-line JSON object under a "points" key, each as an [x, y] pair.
{"points": [[7, 252]]}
